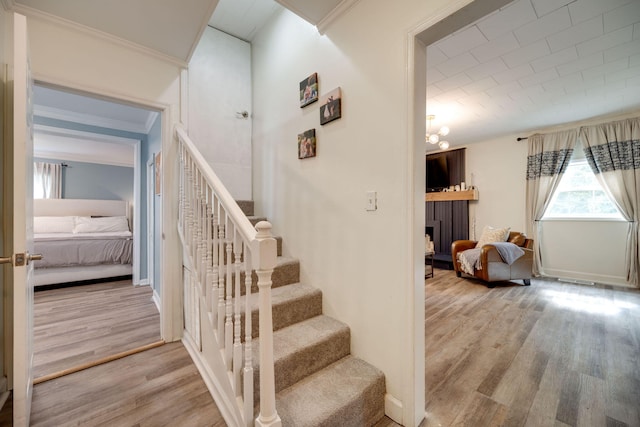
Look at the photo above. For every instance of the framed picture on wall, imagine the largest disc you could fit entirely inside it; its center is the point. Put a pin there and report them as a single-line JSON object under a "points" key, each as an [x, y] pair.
{"points": [[158, 168], [309, 90], [331, 106], [307, 144]]}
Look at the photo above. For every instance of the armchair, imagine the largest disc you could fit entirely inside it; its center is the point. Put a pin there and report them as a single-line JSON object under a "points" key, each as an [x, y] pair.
{"points": [[493, 267]]}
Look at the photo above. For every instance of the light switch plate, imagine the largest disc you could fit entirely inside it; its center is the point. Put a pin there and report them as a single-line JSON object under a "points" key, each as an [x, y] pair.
{"points": [[372, 201]]}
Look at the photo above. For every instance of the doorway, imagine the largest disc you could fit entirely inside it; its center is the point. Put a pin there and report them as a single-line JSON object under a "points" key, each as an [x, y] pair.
{"points": [[91, 133]]}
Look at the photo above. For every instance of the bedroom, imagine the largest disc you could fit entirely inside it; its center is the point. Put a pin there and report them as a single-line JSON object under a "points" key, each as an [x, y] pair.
{"points": [[105, 151], [103, 154]]}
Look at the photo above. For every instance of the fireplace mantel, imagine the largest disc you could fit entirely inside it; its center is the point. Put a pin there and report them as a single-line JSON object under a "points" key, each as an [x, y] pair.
{"points": [[444, 196]]}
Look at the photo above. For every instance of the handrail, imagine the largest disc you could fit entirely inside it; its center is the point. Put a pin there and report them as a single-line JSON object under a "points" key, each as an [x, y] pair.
{"points": [[220, 246], [226, 199]]}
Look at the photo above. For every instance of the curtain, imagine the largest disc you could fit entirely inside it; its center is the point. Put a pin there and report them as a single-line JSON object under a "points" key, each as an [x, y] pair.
{"points": [[548, 158], [613, 152], [47, 180]]}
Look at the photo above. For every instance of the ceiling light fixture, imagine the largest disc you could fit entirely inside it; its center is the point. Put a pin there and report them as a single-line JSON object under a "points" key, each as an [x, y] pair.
{"points": [[434, 138]]}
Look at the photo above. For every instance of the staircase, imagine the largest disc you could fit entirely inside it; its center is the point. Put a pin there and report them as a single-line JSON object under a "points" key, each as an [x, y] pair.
{"points": [[268, 355], [318, 382]]}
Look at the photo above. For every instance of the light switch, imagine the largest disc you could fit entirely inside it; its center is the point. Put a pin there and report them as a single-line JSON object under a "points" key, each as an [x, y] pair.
{"points": [[372, 201]]}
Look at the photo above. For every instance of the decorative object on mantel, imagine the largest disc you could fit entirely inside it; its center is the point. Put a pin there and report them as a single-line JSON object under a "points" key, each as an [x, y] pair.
{"points": [[434, 138], [309, 90], [307, 144], [331, 106]]}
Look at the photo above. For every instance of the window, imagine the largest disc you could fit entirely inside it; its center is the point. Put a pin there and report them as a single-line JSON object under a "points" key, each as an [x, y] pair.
{"points": [[580, 195]]}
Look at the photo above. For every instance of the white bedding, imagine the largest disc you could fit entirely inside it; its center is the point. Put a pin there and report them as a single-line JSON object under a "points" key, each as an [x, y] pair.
{"points": [[82, 249]]}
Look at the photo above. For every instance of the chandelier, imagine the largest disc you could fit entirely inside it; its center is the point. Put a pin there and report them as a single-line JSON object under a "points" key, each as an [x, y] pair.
{"points": [[434, 138]]}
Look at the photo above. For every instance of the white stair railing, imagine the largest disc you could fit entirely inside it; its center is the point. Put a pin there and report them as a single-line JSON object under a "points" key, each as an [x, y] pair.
{"points": [[220, 246]]}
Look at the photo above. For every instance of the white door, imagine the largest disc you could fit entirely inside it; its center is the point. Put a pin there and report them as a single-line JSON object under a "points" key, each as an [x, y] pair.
{"points": [[18, 218]]}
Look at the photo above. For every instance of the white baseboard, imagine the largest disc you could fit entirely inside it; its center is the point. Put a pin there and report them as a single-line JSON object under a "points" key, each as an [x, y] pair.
{"points": [[393, 408], [143, 282], [585, 278]]}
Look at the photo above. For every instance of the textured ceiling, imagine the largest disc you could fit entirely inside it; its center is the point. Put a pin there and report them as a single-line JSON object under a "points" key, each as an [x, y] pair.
{"points": [[534, 64]]}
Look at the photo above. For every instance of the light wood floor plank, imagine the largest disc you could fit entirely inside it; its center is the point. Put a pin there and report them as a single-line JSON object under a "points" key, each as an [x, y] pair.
{"points": [[549, 354], [80, 324]]}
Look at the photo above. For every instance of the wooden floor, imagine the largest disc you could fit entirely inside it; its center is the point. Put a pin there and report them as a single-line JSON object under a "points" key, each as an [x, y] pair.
{"points": [[552, 354], [81, 324]]}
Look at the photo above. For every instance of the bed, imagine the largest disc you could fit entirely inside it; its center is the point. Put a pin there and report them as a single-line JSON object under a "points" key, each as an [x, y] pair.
{"points": [[81, 240]]}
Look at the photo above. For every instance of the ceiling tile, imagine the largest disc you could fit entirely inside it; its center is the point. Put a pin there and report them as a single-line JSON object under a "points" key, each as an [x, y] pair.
{"points": [[496, 47], [526, 92], [623, 16], [457, 64], [586, 30], [507, 19], [543, 27], [622, 74], [583, 10], [433, 75], [581, 64], [486, 69], [543, 7], [504, 90], [605, 41], [607, 67], [622, 51], [636, 31], [634, 60], [451, 96], [480, 85], [433, 91], [435, 56], [476, 99], [562, 82], [527, 53], [538, 78], [555, 59], [513, 74], [461, 42], [458, 80]]}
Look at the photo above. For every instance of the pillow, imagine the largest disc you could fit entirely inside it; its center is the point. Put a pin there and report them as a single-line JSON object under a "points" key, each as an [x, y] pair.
{"points": [[53, 224], [492, 235], [85, 224]]}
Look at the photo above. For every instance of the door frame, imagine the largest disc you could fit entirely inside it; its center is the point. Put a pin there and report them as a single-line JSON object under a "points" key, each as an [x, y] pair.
{"points": [[151, 228]]}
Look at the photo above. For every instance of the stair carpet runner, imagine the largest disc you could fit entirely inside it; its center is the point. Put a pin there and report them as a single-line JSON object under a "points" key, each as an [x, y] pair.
{"points": [[318, 382]]}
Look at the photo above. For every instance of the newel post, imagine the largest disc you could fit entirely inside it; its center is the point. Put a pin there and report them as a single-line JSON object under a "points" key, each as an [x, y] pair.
{"points": [[265, 251]]}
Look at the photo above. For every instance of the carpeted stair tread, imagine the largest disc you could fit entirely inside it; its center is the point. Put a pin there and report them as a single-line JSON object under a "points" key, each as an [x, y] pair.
{"points": [[348, 393], [290, 304], [304, 348], [247, 206], [255, 219], [286, 272]]}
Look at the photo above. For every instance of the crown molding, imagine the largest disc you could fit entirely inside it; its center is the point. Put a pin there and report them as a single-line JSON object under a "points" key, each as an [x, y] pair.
{"points": [[35, 13], [7, 4], [337, 12]]}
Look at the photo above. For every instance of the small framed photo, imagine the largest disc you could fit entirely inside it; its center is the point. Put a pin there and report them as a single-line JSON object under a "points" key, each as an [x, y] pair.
{"points": [[331, 106], [309, 90], [307, 144]]}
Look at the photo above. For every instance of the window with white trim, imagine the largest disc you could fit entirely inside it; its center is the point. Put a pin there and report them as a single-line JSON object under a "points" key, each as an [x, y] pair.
{"points": [[579, 195]]}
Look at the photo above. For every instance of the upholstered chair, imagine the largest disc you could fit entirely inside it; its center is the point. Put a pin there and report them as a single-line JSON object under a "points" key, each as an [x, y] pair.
{"points": [[494, 269]]}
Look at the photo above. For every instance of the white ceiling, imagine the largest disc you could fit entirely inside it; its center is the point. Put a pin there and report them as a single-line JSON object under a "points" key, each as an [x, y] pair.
{"points": [[529, 65], [534, 64], [165, 26]]}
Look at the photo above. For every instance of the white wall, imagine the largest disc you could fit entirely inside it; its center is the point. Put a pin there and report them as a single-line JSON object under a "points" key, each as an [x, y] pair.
{"points": [[219, 88], [360, 260], [592, 251], [73, 57]]}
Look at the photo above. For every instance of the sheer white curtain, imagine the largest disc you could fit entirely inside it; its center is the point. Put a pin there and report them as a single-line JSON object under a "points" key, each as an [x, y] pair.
{"points": [[548, 158], [47, 180], [613, 152]]}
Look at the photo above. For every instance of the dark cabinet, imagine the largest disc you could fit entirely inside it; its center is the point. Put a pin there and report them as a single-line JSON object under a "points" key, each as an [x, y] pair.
{"points": [[446, 221]]}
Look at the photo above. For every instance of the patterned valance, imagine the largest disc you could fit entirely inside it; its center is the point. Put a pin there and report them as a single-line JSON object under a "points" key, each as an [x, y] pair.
{"points": [[614, 156], [548, 163]]}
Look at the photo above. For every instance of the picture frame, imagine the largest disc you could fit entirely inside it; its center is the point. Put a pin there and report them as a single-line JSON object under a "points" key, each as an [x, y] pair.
{"points": [[307, 144], [309, 90], [331, 106], [158, 170]]}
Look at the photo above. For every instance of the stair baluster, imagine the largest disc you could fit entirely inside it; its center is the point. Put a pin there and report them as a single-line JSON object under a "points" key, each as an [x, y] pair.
{"points": [[219, 246]]}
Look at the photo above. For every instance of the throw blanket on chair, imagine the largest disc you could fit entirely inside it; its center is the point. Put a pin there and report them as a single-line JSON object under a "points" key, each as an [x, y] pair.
{"points": [[470, 259]]}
